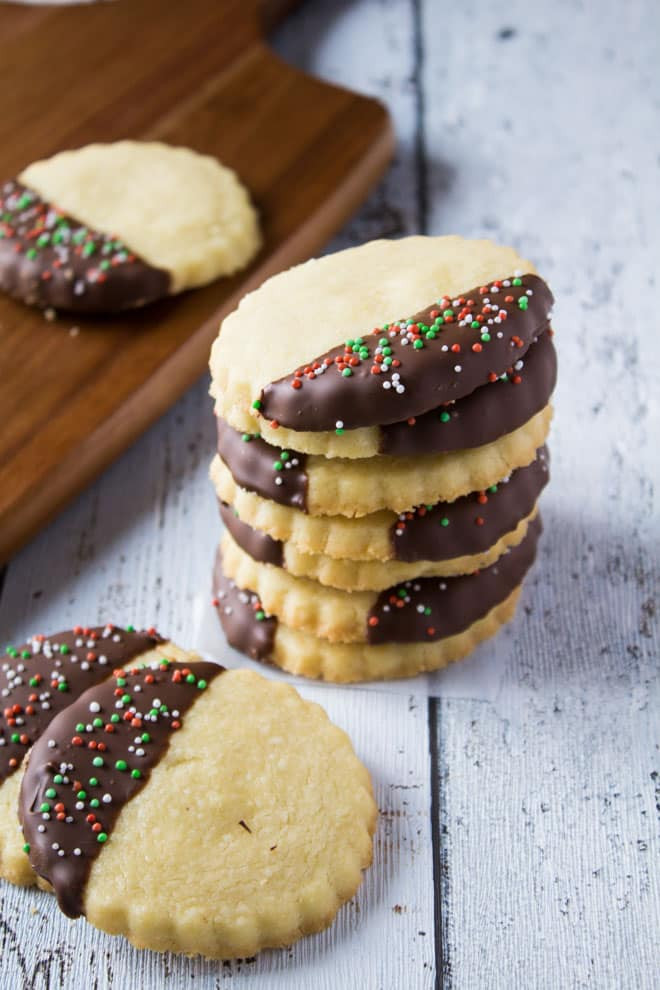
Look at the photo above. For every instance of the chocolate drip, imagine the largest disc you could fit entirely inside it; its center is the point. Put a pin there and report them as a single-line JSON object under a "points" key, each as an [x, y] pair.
{"points": [[44, 675], [271, 472], [95, 757], [48, 258], [434, 608], [472, 523], [406, 368], [243, 619], [483, 416], [260, 546]]}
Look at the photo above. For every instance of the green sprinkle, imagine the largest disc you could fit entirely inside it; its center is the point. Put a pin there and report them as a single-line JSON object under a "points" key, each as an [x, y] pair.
{"points": [[135, 774], [347, 372], [58, 778], [475, 324], [260, 615], [15, 737], [438, 321], [485, 337], [418, 344], [201, 684], [81, 795], [383, 342], [80, 727], [284, 455], [88, 249], [350, 342], [43, 240], [34, 681], [121, 681], [444, 417], [121, 765], [44, 807], [190, 679], [97, 761], [444, 521], [125, 698], [387, 351], [26, 847], [63, 686], [339, 431], [94, 803], [517, 281], [430, 335], [97, 723], [12, 651], [79, 235], [427, 611], [163, 708], [448, 312], [278, 465], [102, 837], [93, 782], [256, 404], [104, 266], [145, 737], [31, 254], [364, 353], [387, 361], [359, 341], [246, 437], [523, 303], [401, 592], [114, 717], [26, 654], [492, 489]]}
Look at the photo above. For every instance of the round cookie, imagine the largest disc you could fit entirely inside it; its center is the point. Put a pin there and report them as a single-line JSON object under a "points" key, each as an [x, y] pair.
{"points": [[424, 610], [306, 655], [336, 408], [236, 781], [112, 226], [325, 486], [38, 680]]}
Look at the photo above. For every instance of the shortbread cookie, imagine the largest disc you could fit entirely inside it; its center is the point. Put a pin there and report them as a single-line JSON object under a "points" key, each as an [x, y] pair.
{"points": [[301, 653], [229, 815], [360, 575], [418, 611], [112, 226], [39, 679], [441, 531], [333, 380], [355, 487]]}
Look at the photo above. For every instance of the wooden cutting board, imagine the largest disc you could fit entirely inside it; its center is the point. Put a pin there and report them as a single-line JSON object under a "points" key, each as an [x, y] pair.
{"points": [[198, 74]]}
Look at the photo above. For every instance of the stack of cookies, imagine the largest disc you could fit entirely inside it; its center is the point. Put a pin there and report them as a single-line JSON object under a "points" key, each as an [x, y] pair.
{"points": [[382, 414]]}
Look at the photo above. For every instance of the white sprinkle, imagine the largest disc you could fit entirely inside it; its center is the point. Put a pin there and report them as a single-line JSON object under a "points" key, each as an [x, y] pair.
{"points": [[94, 707], [387, 384], [339, 425], [60, 852], [279, 481], [77, 852], [420, 608], [400, 389], [458, 368], [107, 798]]}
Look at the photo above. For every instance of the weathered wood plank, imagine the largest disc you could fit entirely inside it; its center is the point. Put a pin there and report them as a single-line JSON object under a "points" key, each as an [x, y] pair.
{"points": [[538, 134]]}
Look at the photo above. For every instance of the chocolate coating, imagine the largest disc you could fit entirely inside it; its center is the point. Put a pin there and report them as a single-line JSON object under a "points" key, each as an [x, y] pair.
{"points": [[243, 620], [434, 608], [61, 805], [441, 354], [252, 464], [483, 416], [472, 523], [48, 258], [44, 675], [260, 546]]}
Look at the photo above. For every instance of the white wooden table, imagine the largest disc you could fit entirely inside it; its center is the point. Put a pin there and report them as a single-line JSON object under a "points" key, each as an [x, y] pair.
{"points": [[518, 842]]}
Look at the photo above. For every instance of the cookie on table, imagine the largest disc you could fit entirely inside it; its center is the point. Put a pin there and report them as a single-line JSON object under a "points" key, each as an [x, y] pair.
{"points": [[334, 356], [441, 540], [108, 227], [37, 681], [232, 815], [359, 486], [409, 628]]}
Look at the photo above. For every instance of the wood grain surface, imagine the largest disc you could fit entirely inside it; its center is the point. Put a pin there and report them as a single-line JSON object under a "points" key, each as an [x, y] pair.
{"points": [[199, 76], [520, 827]]}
